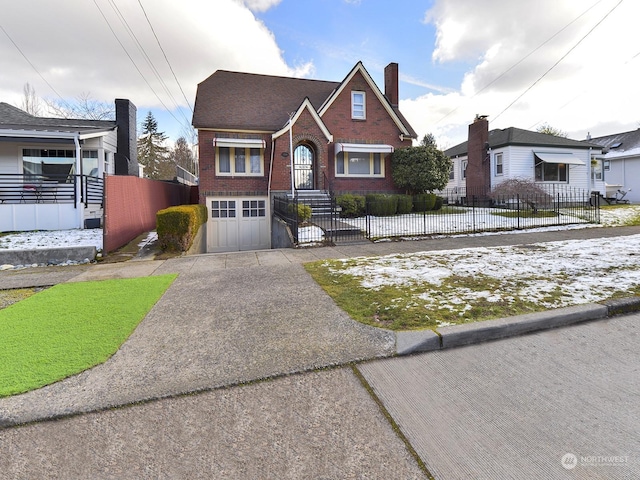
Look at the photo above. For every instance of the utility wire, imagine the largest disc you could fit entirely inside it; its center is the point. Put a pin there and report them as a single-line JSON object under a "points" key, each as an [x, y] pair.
{"points": [[147, 58], [133, 62], [34, 67], [522, 59], [165, 56], [559, 60]]}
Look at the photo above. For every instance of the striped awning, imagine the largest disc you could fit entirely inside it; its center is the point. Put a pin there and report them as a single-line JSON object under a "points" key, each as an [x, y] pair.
{"points": [[566, 158]]}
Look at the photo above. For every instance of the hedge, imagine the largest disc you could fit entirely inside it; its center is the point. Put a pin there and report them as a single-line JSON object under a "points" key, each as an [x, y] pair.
{"points": [[352, 206], [424, 202], [177, 226], [405, 204], [381, 205]]}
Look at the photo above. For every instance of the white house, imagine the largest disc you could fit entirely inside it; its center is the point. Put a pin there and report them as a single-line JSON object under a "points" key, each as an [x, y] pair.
{"points": [[489, 158], [51, 169], [621, 162]]}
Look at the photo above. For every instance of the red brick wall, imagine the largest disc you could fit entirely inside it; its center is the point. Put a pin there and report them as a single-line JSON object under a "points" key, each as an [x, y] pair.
{"points": [[378, 128], [478, 166], [131, 204]]}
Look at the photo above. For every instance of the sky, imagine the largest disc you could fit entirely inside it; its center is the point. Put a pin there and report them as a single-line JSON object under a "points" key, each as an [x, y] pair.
{"points": [[571, 64]]}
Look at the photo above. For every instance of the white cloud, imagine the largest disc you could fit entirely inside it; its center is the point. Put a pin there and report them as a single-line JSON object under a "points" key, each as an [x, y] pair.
{"points": [[503, 44], [260, 5], [77, 52]]}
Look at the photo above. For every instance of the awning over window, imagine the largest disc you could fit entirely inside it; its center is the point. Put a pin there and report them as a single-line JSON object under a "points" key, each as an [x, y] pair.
{"points": [[363, 147], [566, 158], [239, 142]]}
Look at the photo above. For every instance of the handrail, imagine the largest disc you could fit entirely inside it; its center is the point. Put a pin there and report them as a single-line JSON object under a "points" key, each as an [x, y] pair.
{"points": [[50, 188]]}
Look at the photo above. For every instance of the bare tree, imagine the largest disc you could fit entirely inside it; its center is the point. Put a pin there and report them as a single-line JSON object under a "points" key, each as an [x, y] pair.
{"points": [[549, 130], [83, 107], [30, 101]]}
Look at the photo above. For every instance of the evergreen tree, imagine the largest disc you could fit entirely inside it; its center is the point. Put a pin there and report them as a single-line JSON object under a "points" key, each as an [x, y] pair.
{"points": [[428, 140], [152, 153], [422, 169]]}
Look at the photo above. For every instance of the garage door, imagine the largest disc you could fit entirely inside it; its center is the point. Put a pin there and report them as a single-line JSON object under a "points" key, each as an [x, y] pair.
{"points": [[238, 224]]}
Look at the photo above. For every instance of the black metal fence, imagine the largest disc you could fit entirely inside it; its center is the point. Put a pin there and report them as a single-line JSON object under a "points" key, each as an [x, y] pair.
{"points": [[459, 212], [51, 188]]}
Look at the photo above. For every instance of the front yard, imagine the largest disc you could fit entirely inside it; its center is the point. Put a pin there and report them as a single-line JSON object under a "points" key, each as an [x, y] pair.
{"points": [[433, 289]]}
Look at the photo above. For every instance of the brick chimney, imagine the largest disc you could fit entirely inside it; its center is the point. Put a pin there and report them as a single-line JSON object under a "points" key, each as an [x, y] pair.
{"points": [[126, 158], [478, 166], [391, 83]]}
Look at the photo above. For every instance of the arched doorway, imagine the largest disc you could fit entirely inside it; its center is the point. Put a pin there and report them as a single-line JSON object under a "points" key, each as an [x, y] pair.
{"points": [[303, 164]]}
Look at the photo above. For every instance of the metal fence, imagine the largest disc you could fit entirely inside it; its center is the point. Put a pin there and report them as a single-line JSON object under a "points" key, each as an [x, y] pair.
{"points": [[50, 188], [461, 212]]}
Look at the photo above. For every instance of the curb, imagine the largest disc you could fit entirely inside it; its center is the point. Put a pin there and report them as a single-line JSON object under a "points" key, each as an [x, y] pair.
{"points": [[47, 256], [408, 342]]}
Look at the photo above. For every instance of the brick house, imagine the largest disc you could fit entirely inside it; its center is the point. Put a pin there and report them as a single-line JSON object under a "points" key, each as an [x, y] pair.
{"points": [[260, 136]]}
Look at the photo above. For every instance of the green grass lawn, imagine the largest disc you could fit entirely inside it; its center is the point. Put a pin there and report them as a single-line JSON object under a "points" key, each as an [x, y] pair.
{"points": [[71, 327]]}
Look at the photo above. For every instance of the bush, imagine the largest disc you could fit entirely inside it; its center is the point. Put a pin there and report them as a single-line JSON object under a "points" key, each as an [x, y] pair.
{"points": [[381, 205], [439, 203], [177, 226], [424, 202], [304, 212], [351, 205], [405, 204]]}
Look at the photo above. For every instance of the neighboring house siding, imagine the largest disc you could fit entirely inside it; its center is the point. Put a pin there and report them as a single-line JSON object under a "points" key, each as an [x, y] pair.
{"points": [[624, 171], [9, 158]]}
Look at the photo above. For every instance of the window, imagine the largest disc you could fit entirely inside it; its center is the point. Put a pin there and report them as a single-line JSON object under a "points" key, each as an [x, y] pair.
{"points": [[464, 168], [53, 164], [223, 208], [253, 208], [607, 165], [90, 162], [551, 172], [452, 172], [239, 161], [499, 166], [359, 164], [358, 111], [597, 169]]}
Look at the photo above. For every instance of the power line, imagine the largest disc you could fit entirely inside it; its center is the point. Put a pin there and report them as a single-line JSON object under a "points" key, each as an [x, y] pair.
{"points": [[523, 59], [34, 67], [559, 60], [165, 56], [133, 62]]}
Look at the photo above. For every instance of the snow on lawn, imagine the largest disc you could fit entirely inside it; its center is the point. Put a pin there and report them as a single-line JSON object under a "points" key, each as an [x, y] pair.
{"points": [[52, 239]]}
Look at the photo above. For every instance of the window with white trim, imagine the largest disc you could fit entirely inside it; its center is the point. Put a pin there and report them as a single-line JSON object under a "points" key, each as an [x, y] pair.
{"points": [[607, 165], [551, 172], [464, 168], [253, 208], [452, 171], [244, 161], [359, 164], [223, 209], [499, 165], [358, 110]]}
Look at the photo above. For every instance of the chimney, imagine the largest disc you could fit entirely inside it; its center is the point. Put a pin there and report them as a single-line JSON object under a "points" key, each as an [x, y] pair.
{"points": [[391, 83], [126, 159], [478, 166]]}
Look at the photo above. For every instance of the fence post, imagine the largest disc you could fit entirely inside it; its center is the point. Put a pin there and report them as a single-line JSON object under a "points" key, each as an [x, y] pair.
{"points": [[518, 208]]}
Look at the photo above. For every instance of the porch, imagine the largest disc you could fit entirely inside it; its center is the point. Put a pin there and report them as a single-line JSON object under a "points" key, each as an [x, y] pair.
{"points": [[49, 202]]}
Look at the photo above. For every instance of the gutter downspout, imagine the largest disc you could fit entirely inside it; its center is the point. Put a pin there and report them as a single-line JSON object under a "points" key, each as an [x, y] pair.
{"points": [[291, 156], [273, 147]]}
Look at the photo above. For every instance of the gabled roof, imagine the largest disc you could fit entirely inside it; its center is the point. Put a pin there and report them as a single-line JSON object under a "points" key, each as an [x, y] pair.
{"points": [[246, 101], [395, 114], [519, 137], [620, 144], [306, 105], [14, 119]]}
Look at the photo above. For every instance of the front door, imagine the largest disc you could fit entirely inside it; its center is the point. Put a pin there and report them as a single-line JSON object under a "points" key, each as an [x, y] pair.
{"points": [[303, 168]]}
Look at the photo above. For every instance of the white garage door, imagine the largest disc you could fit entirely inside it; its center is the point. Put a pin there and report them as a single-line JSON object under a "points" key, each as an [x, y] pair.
{"points": [[238, 224]]}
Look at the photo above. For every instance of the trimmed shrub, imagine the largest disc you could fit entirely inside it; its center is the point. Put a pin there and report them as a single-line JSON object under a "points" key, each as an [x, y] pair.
{"points": [[439, 203], [405, 204], [381, 205], [177, 226], [304, 212], [352, 206], [424, 202]]}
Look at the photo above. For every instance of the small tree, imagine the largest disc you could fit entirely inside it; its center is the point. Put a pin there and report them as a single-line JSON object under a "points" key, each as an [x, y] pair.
{"points": [[420, 169], [428, 141], [183, 155]]}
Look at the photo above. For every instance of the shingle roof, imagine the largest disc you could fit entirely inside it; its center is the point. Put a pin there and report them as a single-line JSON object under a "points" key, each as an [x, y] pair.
{"points": [[518, 136], [625, 141], [235, 100], [15, 119]]}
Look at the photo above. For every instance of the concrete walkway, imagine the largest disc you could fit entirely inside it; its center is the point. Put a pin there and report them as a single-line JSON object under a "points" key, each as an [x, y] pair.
{"points": [[227, 321]]}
